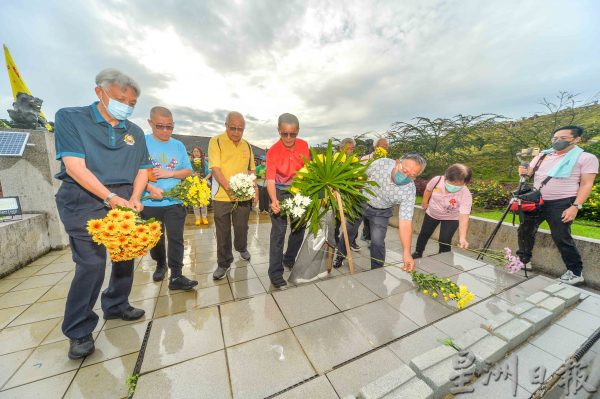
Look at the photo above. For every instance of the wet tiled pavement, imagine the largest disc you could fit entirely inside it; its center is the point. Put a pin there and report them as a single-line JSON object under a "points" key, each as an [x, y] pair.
{"points": [[239, 337]]}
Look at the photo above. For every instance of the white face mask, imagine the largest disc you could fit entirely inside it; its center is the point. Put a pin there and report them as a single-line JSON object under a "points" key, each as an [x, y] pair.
{"points": [[117, 109]]}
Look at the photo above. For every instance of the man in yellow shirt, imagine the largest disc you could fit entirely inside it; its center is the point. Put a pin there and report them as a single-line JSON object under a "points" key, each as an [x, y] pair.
{"points": [[229, 154]]}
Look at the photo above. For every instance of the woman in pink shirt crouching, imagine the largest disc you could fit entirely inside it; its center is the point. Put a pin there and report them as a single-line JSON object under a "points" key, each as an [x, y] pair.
{"points": [[446, 201]]}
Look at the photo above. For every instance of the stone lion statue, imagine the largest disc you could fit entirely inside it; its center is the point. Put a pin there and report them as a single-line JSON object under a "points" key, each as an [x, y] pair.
{"points": [[26, 112]]}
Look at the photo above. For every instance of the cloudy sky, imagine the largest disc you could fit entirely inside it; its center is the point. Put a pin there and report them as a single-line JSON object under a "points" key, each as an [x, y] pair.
{"points": [[343, 67]]}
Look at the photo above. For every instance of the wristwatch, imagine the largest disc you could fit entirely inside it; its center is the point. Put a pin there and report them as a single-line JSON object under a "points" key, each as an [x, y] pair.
{"points": [[579, 206], [108, 198]]}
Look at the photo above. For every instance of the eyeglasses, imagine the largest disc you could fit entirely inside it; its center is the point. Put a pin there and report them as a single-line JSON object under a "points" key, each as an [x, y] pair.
{"points": [[235, 129], [290, 135], [164, 127]]}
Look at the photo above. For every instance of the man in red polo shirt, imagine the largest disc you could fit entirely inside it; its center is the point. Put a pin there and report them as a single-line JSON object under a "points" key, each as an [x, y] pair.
{"points": [[284, 158]]}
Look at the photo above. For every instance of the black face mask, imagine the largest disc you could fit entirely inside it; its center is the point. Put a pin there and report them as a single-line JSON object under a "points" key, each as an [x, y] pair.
{"points": [[560, 145]]}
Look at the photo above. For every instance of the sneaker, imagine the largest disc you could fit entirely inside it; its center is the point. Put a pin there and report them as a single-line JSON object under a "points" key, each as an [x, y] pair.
{"points": [[337, 263], [128, 314], [198, 221], [205, 221], [245, 255], [182, 283], [220, 272], [278, 282], [81, 347], [159, 273], [417, 255], [570, 278], [355, 247]]}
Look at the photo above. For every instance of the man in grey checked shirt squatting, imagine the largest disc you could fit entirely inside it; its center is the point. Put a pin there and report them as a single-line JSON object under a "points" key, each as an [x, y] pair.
{"points": [[396, 187]]}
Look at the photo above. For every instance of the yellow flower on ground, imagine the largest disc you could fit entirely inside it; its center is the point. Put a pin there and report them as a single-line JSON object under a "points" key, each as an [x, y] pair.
{"points": [[434, 295], [425, 292]]}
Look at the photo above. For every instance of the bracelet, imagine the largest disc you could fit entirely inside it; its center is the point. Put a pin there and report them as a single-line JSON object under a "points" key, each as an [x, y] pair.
{"points": [[108, 198]]}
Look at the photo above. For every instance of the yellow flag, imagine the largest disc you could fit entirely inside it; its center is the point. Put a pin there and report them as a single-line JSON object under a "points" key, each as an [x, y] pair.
{"points": [[17, 83]]}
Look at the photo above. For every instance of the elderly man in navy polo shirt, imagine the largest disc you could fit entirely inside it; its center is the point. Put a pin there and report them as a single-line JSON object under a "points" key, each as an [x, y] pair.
{"points": [[104, 163]]}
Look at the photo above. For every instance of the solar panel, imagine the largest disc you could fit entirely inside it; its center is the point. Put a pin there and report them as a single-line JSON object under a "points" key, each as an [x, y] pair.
{"points": [[12, 144]]}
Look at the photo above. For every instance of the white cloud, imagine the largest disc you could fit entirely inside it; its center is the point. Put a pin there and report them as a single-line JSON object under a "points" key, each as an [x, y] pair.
{"points": [[343, 67]]}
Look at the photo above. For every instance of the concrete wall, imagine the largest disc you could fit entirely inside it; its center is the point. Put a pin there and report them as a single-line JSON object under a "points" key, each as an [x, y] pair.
{"points": [[31, 179], [23, 241], [546, 257]]}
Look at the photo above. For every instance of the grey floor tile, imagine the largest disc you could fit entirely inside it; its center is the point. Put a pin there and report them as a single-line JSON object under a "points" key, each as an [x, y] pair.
{"points": [[482, 287], [590, 305], [417, 343], [346, 292], [26, 336], [183, 336], [558, 341], [497, 276], [380, 322], [247, 288], [167, 382], [316, 388], [418, 307], [117, 342], [53, 387], [501, 389], [331, 341], [303, 304], [580, 322], [382, 283], [520, 292], [458, 323], [20, 298], [351, 377], [491, 307], [458, 260], [10, 363], [251, 318], [9, 314], [529, 358], [45, 361], [241, 273], [267, 365], [41, 311], [103, 380], [440, 269]]}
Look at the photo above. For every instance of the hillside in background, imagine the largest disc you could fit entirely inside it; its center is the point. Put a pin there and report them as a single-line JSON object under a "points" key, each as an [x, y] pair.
{"points": [[488, 142]]}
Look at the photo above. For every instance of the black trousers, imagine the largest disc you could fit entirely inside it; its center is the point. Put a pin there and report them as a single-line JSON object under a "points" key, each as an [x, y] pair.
{"points": [[378, 221], [172, 218], [76, 206], [225, 215], [551, 212], [279, 224], [264, 202], [366, 232], [447, 230]]}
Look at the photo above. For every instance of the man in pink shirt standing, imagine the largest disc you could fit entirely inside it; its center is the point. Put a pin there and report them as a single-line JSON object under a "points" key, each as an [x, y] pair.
{"points": [[566, 176]]}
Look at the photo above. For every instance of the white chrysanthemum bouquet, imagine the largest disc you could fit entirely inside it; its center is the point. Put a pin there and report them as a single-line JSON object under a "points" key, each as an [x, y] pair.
{"points": [[295, 206], [242, 186]]}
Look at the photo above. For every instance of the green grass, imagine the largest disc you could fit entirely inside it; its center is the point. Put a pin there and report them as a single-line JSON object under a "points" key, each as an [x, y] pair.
{"points": [[583, 228]]}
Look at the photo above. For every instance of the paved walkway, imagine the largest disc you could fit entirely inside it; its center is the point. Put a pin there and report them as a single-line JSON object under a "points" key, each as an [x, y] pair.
{"points": [[239, 337]]}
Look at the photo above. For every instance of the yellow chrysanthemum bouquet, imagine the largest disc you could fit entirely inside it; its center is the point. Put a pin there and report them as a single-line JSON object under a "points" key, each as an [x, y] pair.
{"points": [[125, 234], [191, 191], [435, 286], [379, 153]]}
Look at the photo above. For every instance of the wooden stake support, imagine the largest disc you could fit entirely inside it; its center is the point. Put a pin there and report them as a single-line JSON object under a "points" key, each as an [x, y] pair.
{"points": [[345, 231], [329, 258]]}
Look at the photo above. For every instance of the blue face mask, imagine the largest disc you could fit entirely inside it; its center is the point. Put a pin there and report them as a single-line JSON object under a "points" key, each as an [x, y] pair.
{"points": [[451, 188], [400, 179], [117, 109]]}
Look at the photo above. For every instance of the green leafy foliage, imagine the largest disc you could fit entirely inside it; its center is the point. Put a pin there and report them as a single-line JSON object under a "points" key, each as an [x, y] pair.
{"points": [[489, 194], [591, 208], [328, 173]]}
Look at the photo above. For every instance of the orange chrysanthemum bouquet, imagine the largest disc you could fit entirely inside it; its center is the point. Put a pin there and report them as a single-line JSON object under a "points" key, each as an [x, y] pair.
{"points": [[125, 234]]}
